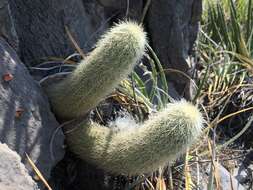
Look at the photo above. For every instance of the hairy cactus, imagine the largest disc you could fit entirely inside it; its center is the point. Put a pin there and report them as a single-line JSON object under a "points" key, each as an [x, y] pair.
{"points": [[142, 149], [135, 150], [94, 78]]}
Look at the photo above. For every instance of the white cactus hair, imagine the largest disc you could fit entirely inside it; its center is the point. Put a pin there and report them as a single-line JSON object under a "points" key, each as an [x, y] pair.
{"points": [[121, 27]]}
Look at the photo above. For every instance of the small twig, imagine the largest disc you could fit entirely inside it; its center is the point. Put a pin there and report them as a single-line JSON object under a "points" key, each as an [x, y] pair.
{"points": [[198, 169], [231, 182], [99, 116], [187, 172]]}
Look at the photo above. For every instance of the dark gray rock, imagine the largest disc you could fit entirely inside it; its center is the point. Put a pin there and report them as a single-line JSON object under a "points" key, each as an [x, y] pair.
{"points": [[26, 122], [173, 27], [40, 26], [227, 180], [7, 29], [124, 9], [243, 171], [13, 174]]}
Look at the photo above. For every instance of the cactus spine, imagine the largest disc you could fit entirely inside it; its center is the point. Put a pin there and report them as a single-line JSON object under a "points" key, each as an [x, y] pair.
{"points": [[94, 78], [143, 149]]}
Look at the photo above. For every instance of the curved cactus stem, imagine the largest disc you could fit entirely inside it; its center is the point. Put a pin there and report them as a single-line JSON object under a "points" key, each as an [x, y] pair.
{"points": [[143, 149], [114, 57]]}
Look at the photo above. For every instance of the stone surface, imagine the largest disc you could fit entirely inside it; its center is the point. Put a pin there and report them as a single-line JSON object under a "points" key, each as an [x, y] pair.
{"points": [[13, 174], [26, 122], [7, 28], [41, 27], [226, 179], [123, 9], [173, 27], [244, 170], [228, 182]]}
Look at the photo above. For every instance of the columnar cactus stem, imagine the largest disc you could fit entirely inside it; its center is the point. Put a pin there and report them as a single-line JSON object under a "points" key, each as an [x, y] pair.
{"points": [[160, 139], [142, 149], [94, 78]]}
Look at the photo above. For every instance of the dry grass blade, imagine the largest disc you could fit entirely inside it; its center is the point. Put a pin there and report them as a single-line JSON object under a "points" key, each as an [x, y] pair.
{"points": [[38, 173], [160, 185], [216, 175], [187, 173], [150, 184], [74, 42], [235, 113], [226, 117]]}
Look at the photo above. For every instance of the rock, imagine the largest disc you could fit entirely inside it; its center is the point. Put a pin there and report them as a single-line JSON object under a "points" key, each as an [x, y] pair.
{"points": [[173, 27], [26, 122], [7, 29], [227, 181], [13, 174], [130, 9], [244, 170], [41, 27], [241, 174]]}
